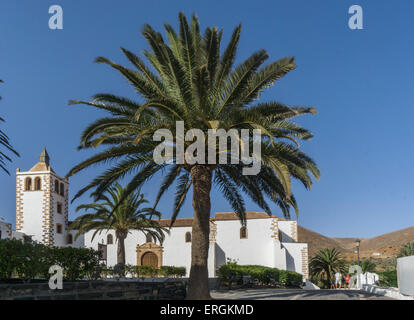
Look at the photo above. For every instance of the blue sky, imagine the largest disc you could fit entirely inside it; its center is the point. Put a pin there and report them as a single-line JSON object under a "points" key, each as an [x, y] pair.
{"points": [[360, 82]]}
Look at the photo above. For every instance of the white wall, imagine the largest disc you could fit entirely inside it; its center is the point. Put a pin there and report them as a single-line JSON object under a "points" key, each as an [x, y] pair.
{"points": [[32, 213], [405, 273], [279, 255], [285, 227], [259, 247], [256, 249], [79, 242], [177, 252], [294, 256]]}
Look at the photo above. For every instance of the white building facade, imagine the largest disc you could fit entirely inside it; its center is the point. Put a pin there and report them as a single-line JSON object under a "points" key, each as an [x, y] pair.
{"points": [[42, 213]]}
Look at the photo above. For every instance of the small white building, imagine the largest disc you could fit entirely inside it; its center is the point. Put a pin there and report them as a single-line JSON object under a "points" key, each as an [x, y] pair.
{"points": [[42, 212], [6, 231]]}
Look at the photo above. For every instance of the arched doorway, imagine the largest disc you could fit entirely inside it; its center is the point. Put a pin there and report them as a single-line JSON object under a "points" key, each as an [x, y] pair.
{"points": [[149, 259], [149, 254]]}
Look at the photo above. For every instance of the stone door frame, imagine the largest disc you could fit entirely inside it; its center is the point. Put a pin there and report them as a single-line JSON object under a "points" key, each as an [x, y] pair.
{"points": [[149, 247]]}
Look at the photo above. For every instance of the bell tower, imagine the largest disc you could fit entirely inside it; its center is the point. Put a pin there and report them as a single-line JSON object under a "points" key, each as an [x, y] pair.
{"points": [[42, 203]]}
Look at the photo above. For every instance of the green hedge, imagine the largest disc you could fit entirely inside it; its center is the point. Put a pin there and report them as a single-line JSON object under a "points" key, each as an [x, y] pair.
{"points": [[290, 278], [29, 260], [261, 273], [388, 278], [171, 271]]}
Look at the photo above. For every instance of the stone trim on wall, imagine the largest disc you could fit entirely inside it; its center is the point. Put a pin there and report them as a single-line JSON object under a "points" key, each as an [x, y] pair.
{"points": [[66, 206], [305, 262], [19, 203], [47, 217], [274, 227], [294, 230], [213, 232]]}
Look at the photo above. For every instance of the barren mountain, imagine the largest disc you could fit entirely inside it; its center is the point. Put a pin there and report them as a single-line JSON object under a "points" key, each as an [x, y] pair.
{"points": [[317, 242], [383, 246]]}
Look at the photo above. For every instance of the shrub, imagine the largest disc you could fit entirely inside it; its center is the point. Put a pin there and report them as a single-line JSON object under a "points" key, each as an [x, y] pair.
{"points": [[145, 271], [29, 260], [76, 263], [263, 274], [10, 253], [290, 278], [171, 271], [388, 278]]}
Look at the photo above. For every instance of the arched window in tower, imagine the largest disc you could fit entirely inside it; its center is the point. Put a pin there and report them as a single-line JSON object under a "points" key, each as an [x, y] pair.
{"points": [[62, 189], [109, 239], [243, 233], [188, 237], [28, 184], [56, 186], [149, 238], [37, 183], [69, 239]]}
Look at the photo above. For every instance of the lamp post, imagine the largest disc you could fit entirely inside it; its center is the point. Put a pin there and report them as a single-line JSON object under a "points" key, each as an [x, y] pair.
{"points": [[357, 243]]}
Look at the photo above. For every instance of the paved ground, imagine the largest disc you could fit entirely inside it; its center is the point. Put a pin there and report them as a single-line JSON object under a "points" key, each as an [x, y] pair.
{"points": [[294, 294]]}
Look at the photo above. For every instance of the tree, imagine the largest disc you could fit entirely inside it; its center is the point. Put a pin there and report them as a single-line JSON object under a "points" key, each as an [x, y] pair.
{"points": [[326, 263], [4, 141], [407, 250], [190, 80], [367, 266], [110, 212]]}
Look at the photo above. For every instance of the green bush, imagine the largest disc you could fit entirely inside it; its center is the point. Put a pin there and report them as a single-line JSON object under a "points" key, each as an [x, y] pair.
{"points": [[290, 278], [388, 278], [145, 271], [264, 275], [10, 253], [30, 260], [171, 271]]}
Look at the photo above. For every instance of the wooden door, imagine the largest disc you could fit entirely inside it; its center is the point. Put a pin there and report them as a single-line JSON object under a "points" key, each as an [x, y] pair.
{"points": [[149, 259]]}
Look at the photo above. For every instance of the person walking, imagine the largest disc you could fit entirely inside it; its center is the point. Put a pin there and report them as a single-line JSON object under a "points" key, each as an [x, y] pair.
{"points": [[347, 281], [338, 280]]}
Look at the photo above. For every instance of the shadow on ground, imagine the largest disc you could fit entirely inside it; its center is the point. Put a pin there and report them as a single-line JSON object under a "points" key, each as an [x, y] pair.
{"points": [[294, 294]]}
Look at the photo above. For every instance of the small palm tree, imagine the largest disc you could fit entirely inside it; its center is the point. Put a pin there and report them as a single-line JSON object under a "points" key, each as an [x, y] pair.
{"points": [[191, 79], [326, 263], [127, 216], [407, 250], [4, 141], [367, 266]]}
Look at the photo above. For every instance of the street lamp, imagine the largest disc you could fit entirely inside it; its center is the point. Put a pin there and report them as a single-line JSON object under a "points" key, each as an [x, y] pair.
{"points": [[357, 243]]}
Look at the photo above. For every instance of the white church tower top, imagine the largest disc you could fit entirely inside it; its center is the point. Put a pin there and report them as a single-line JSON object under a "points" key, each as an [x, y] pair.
{"points": [[42, 203], [44, 162]]}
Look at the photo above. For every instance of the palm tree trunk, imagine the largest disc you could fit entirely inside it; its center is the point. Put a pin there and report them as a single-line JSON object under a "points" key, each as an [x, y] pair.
{"points": [[121, 235], [198, 283]]}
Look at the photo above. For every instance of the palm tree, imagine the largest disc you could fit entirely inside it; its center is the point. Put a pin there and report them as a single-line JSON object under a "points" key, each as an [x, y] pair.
{"points": [[128, 215], [190, 80], [367, 266], [407, 250], [4, 141], [326, 263]]}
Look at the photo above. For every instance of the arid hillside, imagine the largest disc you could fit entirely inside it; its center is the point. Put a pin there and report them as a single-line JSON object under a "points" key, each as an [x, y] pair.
{"points": [[380, 247]]}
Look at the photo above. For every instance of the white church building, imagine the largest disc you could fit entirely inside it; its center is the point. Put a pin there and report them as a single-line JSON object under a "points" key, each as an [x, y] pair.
{"points": [[42, 213]]}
